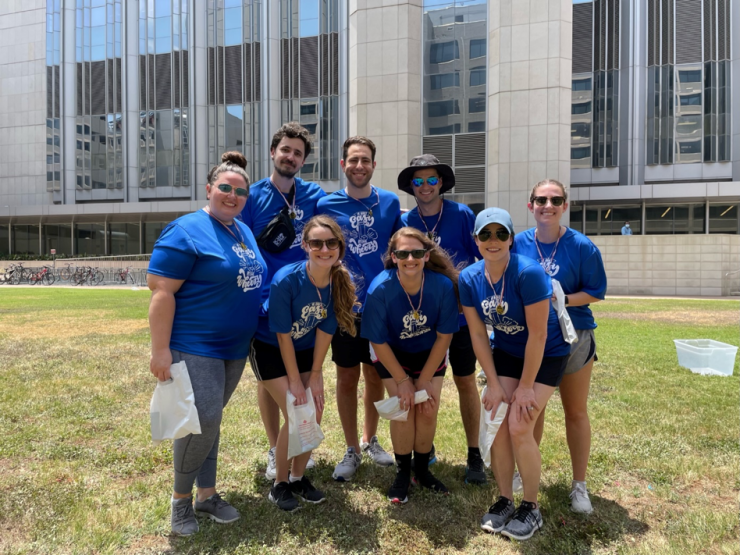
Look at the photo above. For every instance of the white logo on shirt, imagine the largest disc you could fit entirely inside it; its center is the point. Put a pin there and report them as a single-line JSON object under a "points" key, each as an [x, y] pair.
{"points": [[310, 318], [550, 267], [250, 271], [414, 327], [362, 238], [498, 321], [299, 225]]}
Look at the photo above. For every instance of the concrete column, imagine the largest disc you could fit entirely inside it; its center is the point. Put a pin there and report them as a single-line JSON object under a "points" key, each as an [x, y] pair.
{"points": [[68, 71], [271, 67], [385, 82], [131, 107], [632, 81], [529, 97], [735, 87], [198, 87]]}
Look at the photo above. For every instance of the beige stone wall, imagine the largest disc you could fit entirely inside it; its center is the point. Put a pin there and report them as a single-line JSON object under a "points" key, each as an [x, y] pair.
{"points": [[529, 88], [692, 265], [385, 81]]}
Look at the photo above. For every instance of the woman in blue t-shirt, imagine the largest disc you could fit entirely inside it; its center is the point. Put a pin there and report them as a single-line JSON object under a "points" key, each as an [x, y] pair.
{"points": [[307, 301], [411, 312], [511, 293], [206, 278], [572, 259]]}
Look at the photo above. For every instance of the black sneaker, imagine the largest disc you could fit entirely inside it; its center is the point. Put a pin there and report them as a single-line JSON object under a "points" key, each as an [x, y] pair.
{"points": [[475, 472], [430, 482], [524, 523], [399, 492], [304, 490], [497, 516], [281, 495]]}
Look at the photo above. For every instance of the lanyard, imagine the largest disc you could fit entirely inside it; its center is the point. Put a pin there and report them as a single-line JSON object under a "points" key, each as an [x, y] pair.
{"points": [[547, 261], [498, 299], [239, 240], [421, 296], [323, 308], [292, 206], [369, 210], [430, 234]]}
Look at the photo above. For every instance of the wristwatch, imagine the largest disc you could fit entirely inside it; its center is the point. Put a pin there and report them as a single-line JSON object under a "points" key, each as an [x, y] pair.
{"points": [[566, 300]]}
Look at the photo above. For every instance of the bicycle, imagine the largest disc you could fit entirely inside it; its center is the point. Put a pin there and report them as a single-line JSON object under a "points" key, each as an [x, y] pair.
{"points": [[45, 275], [17, 274], [125, 275], [66, 273], [8, 275]]}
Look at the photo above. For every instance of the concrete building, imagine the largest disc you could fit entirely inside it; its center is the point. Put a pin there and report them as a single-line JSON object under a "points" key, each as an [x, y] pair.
{"points": [[112, 111]]}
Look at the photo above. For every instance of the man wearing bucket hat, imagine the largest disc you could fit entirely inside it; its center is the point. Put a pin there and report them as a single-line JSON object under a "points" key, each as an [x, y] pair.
{"points": [[450, 225]]}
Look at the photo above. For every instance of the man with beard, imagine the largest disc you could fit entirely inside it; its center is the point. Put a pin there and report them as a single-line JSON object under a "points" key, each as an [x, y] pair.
{"points": [[296, 199], [449, 224], [368, 217]]}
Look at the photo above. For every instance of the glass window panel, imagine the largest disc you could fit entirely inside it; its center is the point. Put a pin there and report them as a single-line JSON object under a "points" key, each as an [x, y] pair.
{"points": [[576, 218], [476, 105], [723, 218], [580, 108], [477, 77], [59, 237], [233, 18], [444, 80], [162, 8], [90, 239], [442, 52], [442, 108], [477, 48], [232, 37], [124, 238], [163, 27], [4, 239], [97, 16], [476, 126]]}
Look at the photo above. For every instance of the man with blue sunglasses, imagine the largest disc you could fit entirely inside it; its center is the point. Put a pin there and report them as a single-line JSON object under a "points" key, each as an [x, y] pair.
{"points": [[449, 224]]}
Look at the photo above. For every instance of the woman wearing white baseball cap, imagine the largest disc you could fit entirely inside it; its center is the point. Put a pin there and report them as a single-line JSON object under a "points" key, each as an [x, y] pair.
{"points": [[512, 294]]}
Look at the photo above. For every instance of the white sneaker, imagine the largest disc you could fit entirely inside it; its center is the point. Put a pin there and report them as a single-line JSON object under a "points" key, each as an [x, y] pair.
{"points": [[311, 463], [579, 501], [376, 453], [271, 470], [347, 467], [516, 483]]}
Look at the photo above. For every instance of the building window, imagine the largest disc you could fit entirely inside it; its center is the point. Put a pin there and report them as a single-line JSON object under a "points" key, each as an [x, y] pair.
{"points": [[477, 77], [442, 52], [442, 108], [723, 218], [582, 108], [477, 105], [477, 48], [476, 126], [444, 80]]}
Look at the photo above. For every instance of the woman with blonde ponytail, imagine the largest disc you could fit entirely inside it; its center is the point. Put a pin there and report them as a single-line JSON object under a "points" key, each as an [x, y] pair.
{"points": [[411, 312], [307, 301]]}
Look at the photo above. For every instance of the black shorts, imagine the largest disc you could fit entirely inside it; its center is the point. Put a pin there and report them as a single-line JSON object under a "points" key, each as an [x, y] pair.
{"points": [[412, 364], [462, 356], [550, 373], [348, 351], [267, 362]]}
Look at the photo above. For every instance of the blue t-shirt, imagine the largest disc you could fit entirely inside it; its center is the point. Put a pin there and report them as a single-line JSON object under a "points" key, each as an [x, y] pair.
{"points": [[454, 233], [294, 307], [577, 266], [389, 317], [216, 307], [367, 236], [526, 284], [264, 203]]}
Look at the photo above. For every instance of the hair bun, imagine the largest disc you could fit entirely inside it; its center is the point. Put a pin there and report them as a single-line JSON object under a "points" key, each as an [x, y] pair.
{"points": [[234, 157]]}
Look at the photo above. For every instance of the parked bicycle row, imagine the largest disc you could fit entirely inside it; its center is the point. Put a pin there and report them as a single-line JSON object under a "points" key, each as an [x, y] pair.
{"points": [[17, 273]]}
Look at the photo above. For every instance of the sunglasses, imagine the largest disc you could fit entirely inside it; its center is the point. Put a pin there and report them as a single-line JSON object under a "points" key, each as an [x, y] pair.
{"points": [[418, 254], [542, 201], [226, 188], [419, 181], [501, 234], [318, 244]]}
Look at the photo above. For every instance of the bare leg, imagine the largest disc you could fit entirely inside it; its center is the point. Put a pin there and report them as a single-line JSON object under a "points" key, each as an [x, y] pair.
{"points": [[426, 424], [402, 433], [539, 427], [467, 391], [373, 393], [270, 413], [347, 380], [574, 393], [278, 388], [502, 453]]}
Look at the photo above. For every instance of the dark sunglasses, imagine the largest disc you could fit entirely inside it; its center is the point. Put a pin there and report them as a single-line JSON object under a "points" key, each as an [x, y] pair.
{"points": [[318, 244], [419, 181], [542, 201], [416, 253], [501, 234], [226, 188]]}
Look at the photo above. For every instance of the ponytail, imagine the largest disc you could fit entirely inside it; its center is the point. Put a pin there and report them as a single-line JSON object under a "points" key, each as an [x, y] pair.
{"points": [[345, 299]]}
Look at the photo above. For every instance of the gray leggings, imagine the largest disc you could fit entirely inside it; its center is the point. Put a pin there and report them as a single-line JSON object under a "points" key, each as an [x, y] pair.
{"points": [[195, 456]]}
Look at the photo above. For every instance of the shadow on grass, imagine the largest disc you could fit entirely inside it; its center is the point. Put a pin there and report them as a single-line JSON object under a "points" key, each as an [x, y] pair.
{"points": [[335, 524]]}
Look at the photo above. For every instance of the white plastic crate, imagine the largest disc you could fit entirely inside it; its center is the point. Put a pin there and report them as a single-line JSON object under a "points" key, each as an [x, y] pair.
{"points": [[706, 356]]}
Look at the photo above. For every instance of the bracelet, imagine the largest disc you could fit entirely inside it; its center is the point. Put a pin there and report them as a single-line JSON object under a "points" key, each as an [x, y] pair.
{"points": [[401, 381], [566, 299]]}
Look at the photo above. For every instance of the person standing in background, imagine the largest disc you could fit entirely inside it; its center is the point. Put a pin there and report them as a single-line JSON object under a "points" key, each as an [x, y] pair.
{"points": [[626, 230]]}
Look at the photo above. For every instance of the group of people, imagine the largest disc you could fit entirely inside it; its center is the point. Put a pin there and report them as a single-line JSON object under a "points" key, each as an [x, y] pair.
{"points": [[279, 271]]}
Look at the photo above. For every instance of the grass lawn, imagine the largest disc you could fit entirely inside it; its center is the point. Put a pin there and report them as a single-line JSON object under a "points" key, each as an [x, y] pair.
{"points": [[80, 474]]}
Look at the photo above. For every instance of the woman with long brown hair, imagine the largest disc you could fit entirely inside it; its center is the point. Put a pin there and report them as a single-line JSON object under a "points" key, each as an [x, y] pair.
{"points": [[307, 301], [411, 312]]}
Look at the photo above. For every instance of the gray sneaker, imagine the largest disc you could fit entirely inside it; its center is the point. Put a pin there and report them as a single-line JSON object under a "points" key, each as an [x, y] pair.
{"points": [[347, 467], [376, 453], [497, 516], [579, 500], [524, 523], [216, 509], [271, 470], [183, 521]]}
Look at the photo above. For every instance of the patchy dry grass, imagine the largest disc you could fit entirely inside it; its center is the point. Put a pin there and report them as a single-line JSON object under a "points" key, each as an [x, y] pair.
{"points": [[81, 476]]}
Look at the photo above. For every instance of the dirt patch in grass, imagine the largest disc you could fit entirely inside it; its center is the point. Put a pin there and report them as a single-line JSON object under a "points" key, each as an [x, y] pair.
{"points": [[98, 323], [694, 317]]}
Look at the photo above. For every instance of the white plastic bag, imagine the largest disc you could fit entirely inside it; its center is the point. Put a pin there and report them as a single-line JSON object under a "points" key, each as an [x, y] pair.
{"points": [[172, 412], [489, 427], [304, 433], [390, 408], [566, 326]]}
